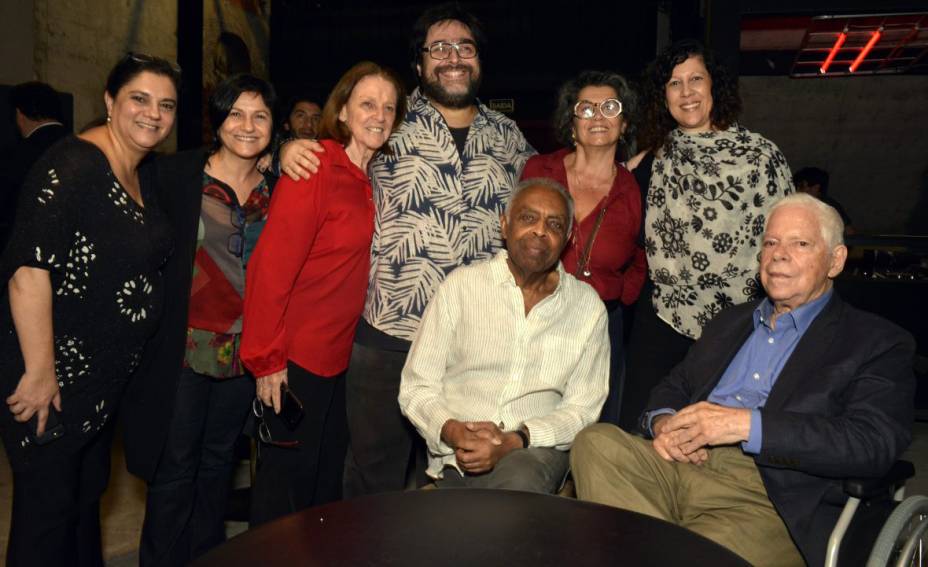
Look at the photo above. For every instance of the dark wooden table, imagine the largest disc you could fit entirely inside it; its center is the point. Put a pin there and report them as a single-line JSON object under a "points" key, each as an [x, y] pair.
{"points": [[468, 527]]}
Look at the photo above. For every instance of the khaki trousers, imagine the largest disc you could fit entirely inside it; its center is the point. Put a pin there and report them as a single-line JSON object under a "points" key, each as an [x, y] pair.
{"points": [[724, 499]]}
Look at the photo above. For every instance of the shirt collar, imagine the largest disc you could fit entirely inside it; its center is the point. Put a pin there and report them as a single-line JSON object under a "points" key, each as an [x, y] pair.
{"points": [[800, 318], [503, 276], [339, 158], [421, 104], [43, 125]]}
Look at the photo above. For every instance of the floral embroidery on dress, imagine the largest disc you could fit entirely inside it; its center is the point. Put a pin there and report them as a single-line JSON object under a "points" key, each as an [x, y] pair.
{"points": [[77, 274], [134, 298], [122, 200], [46, 194], [71, 363]]}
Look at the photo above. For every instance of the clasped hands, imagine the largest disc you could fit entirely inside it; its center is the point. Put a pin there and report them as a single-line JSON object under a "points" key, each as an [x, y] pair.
{"points": [[478, 445], [685, 435]]}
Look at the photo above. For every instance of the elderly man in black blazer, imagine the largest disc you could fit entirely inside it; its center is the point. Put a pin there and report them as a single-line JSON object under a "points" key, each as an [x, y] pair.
{"points": [[774, 405]]}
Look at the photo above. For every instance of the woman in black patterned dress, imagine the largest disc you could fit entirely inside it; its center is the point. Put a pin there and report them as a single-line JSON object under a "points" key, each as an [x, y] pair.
{"points": [[84, 284], [708, 183]]}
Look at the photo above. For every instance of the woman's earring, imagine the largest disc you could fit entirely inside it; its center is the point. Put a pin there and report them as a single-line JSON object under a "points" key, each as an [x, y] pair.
{"points": [[109, 118]]}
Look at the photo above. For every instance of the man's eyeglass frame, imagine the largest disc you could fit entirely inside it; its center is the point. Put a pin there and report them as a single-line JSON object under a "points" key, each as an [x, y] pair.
{"points": [[456, 45]]}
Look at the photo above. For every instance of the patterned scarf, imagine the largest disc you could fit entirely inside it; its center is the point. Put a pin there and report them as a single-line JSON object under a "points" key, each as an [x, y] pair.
{"points": [[706, 206]]}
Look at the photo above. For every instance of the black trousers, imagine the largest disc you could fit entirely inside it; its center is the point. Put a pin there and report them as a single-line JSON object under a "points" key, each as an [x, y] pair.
{"points": [[186, 503], [291, 479], [382, 439], [56, 508], [613, 404], [654, 348]]}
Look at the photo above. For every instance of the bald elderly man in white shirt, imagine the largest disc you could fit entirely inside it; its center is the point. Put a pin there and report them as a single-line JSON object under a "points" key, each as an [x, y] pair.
{"points": [[511, 359]]}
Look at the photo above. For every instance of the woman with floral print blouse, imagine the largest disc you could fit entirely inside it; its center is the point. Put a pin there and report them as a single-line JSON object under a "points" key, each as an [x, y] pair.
{"points": [[217, 201], [708, 183]]}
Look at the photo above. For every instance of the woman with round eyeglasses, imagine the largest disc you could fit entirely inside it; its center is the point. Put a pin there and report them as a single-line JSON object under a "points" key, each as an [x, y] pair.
{"points": [[191, 396], [592, 120], [708, 183], [85, 288]]}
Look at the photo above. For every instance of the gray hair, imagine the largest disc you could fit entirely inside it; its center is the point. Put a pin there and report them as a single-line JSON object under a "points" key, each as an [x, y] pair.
{"points": [[550, 184], [829, 221]]}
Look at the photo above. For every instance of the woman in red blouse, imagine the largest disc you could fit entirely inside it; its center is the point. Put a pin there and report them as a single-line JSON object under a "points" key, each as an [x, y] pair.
{"points": [[592, 119], [306, 286]]}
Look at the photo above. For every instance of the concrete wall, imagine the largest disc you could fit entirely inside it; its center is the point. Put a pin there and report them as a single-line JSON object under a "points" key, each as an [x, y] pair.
{"points": [[868, 132], [249, 20], [16, 41], [78, 41]]}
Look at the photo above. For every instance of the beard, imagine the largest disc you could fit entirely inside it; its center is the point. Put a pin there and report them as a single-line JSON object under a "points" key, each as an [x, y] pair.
{"points": [[433, 89]]}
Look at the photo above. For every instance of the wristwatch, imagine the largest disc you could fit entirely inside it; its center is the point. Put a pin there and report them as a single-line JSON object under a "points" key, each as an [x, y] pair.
{"points": [[522, 432]]}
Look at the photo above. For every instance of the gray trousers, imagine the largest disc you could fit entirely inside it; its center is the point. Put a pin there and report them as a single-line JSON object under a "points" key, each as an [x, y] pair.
{"points": [[536, 469]]}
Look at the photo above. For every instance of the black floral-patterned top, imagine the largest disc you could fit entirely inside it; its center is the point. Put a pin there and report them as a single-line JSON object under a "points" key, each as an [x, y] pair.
{"points": [[706, 206], [103, 252]]}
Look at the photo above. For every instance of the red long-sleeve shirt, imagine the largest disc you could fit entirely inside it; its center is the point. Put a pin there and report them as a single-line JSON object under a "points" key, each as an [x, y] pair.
{"points": [[617, 264], [307, 279]]}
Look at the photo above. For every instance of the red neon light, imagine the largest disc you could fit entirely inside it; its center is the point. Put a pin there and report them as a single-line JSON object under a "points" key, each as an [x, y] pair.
{"points": [[863, 54], [834, 51]]}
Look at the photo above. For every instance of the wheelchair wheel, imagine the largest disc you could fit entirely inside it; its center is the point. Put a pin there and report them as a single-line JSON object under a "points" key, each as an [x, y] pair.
{"points": [[902, 540]]}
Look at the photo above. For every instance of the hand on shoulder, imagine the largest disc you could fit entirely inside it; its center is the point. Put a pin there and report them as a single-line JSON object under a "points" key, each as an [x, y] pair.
{"points": [[298, 159]]}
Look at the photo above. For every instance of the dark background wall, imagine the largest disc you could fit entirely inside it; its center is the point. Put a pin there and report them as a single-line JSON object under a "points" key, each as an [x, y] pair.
{"points": [[866, 130], [533, 47]]}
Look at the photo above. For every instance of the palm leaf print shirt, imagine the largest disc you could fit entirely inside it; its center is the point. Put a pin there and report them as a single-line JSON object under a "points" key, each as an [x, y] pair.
{"points": [[437, 209]]}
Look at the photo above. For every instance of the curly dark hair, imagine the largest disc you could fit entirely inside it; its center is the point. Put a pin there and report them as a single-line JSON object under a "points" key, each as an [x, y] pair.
{"points": [[569, 92], [446, 12], [657, 122]]}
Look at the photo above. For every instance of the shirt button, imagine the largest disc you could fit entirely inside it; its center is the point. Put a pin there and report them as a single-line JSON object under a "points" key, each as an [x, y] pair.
{"points": [[756, 376], [770, 340], [738, 398]]}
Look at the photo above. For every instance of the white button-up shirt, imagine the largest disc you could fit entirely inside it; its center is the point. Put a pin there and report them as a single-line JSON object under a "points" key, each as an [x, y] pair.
{"points": [[478, 357]]}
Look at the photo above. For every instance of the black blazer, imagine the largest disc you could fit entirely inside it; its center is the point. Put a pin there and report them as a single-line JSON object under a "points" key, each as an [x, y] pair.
{"points": [[149, 399], [841, 407]]}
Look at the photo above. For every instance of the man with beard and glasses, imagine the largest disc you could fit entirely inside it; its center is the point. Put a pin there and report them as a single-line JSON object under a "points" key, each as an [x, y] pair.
{"points": [[511, 360], [438, 193]]}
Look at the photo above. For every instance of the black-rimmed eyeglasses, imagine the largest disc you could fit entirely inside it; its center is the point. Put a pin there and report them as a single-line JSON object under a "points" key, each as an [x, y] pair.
{"points": [[441, 50], [609, 108]]}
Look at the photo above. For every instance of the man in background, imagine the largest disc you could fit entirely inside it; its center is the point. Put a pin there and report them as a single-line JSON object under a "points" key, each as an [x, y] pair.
{"points": [[38, 116], [303, 118], [814, 181]]}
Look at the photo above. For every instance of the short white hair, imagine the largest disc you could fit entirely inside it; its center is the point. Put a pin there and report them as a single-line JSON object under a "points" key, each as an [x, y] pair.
{"points": [[550, 184], [829, 221]]}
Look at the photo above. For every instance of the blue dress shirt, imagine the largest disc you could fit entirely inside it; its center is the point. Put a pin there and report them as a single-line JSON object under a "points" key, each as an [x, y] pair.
{"points": [[753, 371]]}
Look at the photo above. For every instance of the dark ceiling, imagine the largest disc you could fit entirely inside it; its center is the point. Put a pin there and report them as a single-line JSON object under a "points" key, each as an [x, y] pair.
{"points": [[533, 47]]}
